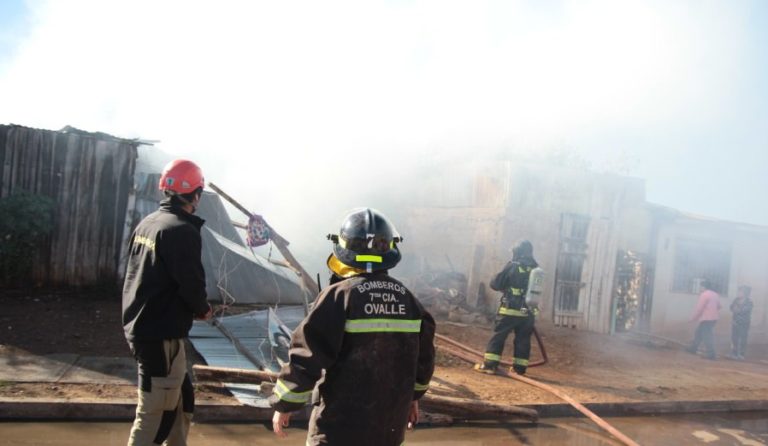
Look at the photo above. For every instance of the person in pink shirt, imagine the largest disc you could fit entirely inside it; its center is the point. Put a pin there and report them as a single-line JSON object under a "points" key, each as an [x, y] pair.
{"points": [[707, 313]]}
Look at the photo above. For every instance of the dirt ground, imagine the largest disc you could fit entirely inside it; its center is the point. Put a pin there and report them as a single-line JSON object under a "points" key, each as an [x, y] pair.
{"points": [[589, 367]]}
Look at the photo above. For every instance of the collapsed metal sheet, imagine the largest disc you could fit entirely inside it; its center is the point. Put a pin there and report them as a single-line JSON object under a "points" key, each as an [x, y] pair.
{"points": [[251, 330], [233, 272]]}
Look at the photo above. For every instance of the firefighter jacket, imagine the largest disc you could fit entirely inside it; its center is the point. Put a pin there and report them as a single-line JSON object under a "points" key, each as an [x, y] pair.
{"points": [[512, 281], [368, 344], [165, 282]]}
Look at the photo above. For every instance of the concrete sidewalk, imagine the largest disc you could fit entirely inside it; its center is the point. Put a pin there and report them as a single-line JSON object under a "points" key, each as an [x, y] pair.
{"points": [[75, 369], [67, 368]]}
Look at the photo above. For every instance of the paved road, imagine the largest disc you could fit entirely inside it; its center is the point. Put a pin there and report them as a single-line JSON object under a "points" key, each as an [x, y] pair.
{"points": [[743, 429]]}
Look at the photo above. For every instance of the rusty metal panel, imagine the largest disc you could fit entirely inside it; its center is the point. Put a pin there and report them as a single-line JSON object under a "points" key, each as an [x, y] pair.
{"points": [[89, 176]]}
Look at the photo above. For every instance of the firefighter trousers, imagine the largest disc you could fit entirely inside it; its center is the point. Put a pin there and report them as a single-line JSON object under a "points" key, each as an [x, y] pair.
{"points": [[523, 328], [165, 395]]}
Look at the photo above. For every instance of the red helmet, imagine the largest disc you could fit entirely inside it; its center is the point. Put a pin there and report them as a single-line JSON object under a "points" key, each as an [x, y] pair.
{"points": [[181, 177]]}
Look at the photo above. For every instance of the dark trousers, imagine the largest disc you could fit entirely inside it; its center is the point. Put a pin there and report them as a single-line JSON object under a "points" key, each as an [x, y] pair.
{"points": [[739, 334], [523, 328], [704, 334]]}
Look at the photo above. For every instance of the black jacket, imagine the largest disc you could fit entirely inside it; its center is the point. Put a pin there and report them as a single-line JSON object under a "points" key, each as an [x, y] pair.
{"points": [[165, 282], [370, 344], [512, 281]]}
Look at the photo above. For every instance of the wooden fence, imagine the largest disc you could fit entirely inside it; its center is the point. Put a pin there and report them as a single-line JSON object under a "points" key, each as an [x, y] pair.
{"points": [[89, 176]]}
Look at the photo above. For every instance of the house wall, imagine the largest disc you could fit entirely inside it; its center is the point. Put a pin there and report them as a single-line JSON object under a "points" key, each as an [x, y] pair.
{"points": [[749, 263]]}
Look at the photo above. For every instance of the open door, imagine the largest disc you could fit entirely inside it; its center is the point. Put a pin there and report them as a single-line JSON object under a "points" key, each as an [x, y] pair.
{"points": [[629, 291]]}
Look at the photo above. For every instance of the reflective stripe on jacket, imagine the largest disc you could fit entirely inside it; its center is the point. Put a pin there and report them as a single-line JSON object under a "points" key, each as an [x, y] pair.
{"points": [[512, 281]]}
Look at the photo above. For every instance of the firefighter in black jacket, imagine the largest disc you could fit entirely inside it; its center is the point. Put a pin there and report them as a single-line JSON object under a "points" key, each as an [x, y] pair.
{"points": [[164, 290], [364, 355], [514, 314]]}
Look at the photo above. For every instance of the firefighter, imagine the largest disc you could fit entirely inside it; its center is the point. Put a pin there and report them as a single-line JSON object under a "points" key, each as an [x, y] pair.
{"points": [[364, 355], [514, 313], [164, 290]]}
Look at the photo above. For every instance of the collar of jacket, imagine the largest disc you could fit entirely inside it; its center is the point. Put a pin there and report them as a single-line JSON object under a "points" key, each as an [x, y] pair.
{"points": [[526, 261], [169, 206], [335, 278]]}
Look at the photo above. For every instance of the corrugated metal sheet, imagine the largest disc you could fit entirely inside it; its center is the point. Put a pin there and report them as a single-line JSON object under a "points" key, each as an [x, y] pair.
{"points": [[233, 270], [235, 274], [252, 331], [89, 175]]}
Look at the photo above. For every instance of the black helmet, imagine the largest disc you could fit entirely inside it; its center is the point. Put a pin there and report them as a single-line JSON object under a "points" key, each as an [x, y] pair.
{"points": [[367, 241], [523, 249]]}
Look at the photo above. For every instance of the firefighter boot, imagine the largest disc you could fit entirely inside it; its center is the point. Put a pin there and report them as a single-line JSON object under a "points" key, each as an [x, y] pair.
{"points": [[520, 370], [485, 369]]}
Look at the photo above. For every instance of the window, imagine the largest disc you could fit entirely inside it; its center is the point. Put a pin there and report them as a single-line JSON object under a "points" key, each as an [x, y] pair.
{"points": [[573, 247], [696, 260]]}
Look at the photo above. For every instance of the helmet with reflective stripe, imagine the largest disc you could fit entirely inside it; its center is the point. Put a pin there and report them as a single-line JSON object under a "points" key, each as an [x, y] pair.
{"points": [[367, 241], [181, 177]]}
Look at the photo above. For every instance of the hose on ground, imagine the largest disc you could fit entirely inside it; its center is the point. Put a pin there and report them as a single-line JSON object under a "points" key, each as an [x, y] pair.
{"points": [[471, 355]]}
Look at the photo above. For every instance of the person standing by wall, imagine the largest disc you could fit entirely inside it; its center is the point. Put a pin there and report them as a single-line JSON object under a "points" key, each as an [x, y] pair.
{"points": [[707, 313], [741, 307], [513, 314], [164, 291], [366, 348]]}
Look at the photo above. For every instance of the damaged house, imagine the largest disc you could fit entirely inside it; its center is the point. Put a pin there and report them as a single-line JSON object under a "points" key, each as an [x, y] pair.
{"points": [[614, 262]]}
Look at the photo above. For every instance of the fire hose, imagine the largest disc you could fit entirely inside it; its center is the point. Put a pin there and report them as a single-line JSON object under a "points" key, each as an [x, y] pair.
{"points": [[469, 349], [471, 355]]}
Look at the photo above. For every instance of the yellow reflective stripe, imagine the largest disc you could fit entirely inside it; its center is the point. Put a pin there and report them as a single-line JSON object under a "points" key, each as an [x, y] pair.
{"points": [[364, 258], [524, 269], [420, 387], [516, 291], [512, 312], [492, 357], [282, 392], [520, 361], [383, 326]]}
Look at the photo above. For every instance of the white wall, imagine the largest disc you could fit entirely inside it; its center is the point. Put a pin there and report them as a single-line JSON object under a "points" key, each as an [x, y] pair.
{"points": [[671, 311]]}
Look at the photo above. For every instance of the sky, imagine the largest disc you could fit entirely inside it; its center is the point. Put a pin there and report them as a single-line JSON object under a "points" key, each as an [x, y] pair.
{"points": [[305, 108]]}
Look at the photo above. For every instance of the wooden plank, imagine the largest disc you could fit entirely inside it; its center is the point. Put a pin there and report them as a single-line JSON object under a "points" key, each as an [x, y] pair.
{"points": [[229, 374]]}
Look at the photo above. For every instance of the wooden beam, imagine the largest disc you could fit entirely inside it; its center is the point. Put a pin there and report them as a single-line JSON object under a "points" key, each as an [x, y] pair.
{"points": [[228, 374], [469, 409]]}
